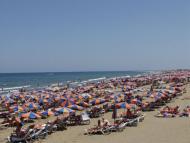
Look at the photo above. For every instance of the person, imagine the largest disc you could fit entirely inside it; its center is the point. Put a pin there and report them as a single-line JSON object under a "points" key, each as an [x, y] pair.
{"points": [[105, 122], [19, 124], [129, 114], [176, 110], [7, 121], [165, 109], [99, 124]]}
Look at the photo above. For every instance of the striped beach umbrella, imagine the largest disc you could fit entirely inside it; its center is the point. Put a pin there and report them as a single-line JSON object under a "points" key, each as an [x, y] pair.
{"points": [[76, 107], [43, 101], [79, 98], [83, 104], [16, 109], [63, 110], [86, 96], [67, 103], [30, 115], [123, 105], [117, 100], [97, 101], [47, 113], [32, 106]]}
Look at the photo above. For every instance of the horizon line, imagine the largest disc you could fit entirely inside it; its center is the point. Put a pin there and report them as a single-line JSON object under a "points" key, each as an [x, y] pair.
{"points": [[84, 71], [79, 71]]}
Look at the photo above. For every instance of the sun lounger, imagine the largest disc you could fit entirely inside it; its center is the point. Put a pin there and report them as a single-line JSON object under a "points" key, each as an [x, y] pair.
{"points": [[85, 119], [15, 139]]}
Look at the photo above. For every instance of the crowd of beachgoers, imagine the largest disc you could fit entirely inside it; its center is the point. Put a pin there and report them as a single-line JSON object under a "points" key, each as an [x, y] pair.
{"points": [[76, 106]]}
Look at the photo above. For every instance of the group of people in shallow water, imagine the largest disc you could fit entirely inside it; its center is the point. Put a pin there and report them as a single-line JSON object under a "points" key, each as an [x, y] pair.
{"points": [[174, 111]]}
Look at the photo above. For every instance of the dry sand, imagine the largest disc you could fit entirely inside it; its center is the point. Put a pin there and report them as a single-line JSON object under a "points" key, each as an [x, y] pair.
{"points": [[151, 130]]}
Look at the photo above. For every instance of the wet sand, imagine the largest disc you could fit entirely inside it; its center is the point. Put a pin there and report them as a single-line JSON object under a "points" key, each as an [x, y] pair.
{"points": [[151, 130]]}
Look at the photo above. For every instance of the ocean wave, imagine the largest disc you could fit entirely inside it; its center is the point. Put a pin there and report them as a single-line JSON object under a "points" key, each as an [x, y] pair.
{"points": [[93, 80], [14, 88]]}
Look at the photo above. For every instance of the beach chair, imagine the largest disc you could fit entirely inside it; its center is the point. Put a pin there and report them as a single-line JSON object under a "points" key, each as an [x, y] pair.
{"points": [[85, 119], [141, 118], [39, 133], [117, 128], [61, 126], [132, 122], [98, 131], [15, 139]]}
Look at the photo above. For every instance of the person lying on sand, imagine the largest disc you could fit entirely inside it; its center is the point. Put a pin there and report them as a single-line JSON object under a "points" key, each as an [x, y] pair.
{"points": [[7, 121], [165, 115], [170, 110], [94, 129], [186, 112]]}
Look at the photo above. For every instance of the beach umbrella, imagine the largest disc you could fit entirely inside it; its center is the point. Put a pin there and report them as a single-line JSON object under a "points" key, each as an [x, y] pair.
{"points": [[123, 105], [86, 96], [76, 107], [79, 98], [117, 100], [43, 101], [114, 114], [97, 101], [9, 101], [16, 109], [136, 101], [63, 110], [112, 97], [30, 115], [83, 104], [47, 113], [32, 106], [121, 96], [67, 103]]}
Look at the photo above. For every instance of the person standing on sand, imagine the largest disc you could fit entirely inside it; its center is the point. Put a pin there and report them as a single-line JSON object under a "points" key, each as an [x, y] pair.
{"points": [[19, 124]]}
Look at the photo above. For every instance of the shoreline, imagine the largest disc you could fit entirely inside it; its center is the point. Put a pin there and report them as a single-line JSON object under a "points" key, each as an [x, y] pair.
{"points": [[10, 89]]}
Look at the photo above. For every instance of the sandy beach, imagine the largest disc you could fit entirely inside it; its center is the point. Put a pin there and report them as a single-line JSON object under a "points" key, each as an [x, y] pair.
{"points": [[152, 129]]}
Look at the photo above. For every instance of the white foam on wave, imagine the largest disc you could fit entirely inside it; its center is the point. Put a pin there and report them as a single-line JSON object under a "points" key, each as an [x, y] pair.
{"points": [[14, 88], [93, 80], [97, 79]]}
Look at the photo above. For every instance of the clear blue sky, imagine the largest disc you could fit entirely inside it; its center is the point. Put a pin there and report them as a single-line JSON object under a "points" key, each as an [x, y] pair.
{"points": [[91, 35]]}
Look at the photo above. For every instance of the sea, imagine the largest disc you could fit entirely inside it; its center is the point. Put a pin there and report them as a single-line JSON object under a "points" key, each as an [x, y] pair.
{"points": [[13, 81]]}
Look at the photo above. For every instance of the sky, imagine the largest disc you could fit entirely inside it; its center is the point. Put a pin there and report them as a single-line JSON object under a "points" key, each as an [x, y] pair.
{"points": [[94, 35]]}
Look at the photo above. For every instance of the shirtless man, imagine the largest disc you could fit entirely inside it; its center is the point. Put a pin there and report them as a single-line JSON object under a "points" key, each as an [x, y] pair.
{"points": [[105, 122]]}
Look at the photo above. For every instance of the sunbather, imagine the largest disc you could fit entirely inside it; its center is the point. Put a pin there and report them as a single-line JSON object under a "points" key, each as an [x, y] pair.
{"points": [[170, 110], [186, 112], [105, 122], [7, 121]]}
